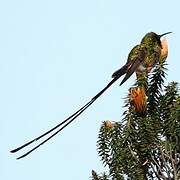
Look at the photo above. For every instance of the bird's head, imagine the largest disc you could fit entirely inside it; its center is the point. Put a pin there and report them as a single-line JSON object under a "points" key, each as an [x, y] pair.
{"points": [[152, 38]]}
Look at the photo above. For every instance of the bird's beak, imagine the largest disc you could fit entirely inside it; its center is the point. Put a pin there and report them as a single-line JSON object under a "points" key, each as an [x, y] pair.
{"points": [[164, 34]]}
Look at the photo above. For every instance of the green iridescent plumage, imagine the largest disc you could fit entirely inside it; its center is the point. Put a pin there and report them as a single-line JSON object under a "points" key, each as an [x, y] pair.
{"points": [[142, 57]]}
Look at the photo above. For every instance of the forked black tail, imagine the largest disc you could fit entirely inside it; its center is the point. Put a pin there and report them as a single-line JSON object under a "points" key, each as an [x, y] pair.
{"points": [[64, 123]]}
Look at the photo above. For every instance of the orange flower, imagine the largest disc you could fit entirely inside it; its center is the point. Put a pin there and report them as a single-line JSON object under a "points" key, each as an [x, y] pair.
{"points": [[108, 124], [164, 50], [138, 99]]}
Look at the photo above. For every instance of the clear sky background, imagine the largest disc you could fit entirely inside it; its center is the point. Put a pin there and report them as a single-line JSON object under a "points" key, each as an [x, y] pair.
{"points": [[54, 56]]}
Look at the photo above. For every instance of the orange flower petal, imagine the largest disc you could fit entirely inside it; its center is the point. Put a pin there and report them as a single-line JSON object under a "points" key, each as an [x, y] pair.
{"points": [[138, 99]]}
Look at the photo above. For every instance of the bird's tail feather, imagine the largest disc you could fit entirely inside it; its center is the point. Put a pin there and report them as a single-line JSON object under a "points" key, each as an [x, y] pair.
{"points": [[120, 71], [69, 120]]}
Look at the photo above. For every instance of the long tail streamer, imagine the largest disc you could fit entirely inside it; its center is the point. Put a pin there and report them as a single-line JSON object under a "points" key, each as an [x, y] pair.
{"points": [[63, 124]]}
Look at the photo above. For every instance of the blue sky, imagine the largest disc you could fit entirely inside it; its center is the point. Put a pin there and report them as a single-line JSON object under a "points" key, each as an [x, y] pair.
{"points": [[54, 56]]}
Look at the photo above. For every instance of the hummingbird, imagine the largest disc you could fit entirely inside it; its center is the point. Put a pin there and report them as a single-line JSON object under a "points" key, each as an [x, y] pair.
{"points": [[141, 59]]}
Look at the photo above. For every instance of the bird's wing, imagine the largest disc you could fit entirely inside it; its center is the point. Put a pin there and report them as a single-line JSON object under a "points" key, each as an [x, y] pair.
{"points": [[136, 57], [123, 69]]}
